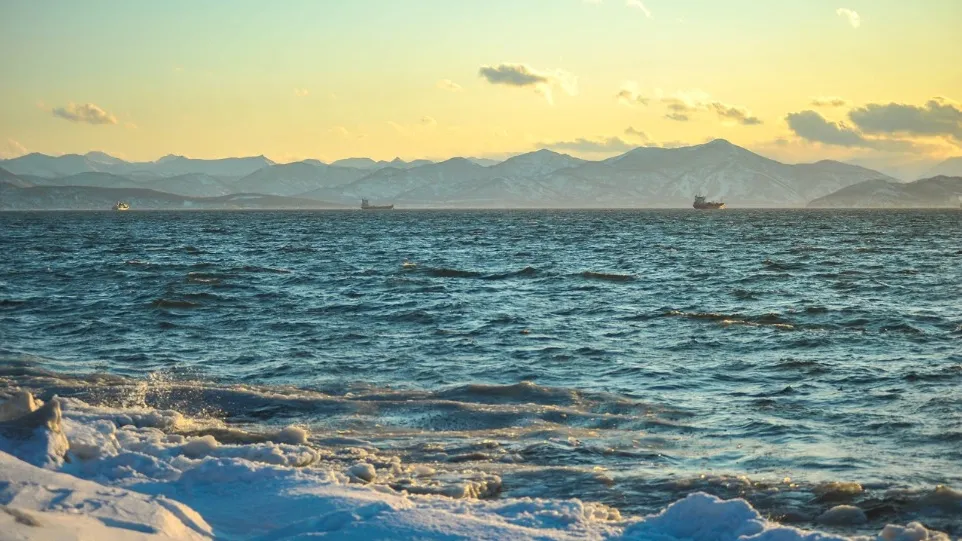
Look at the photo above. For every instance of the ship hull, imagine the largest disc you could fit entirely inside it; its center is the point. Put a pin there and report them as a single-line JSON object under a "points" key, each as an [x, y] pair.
{"points": [[709, 206], [378, 207]]}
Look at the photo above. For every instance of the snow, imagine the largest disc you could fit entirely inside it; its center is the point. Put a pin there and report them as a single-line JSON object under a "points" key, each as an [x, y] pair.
{"points": [[644, 177], [70, 470]]}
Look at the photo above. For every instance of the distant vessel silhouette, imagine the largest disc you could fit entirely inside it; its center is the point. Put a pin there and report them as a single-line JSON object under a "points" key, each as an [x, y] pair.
{"points": [[121, 205], [702, 204], [365, 205]]}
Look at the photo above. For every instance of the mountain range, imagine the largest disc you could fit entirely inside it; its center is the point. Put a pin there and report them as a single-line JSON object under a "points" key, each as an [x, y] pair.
{"points": [[935, 192], [642, 177], [951, 167]]}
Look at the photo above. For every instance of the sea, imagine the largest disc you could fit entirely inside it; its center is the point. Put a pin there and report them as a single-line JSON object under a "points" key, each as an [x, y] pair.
{"points": [[799, 359]]}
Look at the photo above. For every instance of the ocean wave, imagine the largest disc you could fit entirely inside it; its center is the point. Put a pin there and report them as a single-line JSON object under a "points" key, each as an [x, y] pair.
{"points": [[259, 269], [609, 277], [459, 273], [174, 304], [763, 320]]}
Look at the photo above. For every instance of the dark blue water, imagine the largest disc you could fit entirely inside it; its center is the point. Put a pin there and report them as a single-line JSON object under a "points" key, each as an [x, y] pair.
{"points": [[623, 356]]}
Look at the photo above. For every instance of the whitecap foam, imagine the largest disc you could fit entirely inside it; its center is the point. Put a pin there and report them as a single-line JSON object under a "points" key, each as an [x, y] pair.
{"points": [[152, 480]]}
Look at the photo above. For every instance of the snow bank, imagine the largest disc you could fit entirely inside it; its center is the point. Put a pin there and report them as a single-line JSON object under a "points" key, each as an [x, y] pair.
{"points": [[143, 474], [43, 504]]}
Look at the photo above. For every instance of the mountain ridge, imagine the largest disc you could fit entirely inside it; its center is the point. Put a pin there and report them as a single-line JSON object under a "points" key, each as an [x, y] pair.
{"points": [[934, 192], [640, 177]]}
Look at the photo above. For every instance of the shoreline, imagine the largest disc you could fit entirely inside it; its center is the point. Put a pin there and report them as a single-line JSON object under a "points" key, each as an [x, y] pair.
{"points": [[191, 477]]}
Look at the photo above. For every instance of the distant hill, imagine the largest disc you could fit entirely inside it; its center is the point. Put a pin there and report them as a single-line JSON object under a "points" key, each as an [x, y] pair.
{"points": [[179, 165], [936, 192], [484, 161], [296, 178], [951, 167], [91, 198], [190, 185], [369, 164], [42, 165], [8, 179]]}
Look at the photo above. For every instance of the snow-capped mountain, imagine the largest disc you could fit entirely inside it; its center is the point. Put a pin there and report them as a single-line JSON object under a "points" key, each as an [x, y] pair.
{"points": [[171, 165], [9, 180], [650, 176], [423, 183], [102, 158], [42, 165], [371, 165], [484, 161], [951, 167], [533, 164], [92, 179], [190, 185], [454, 181], [643, 177], [936, 192], [295, 178]]}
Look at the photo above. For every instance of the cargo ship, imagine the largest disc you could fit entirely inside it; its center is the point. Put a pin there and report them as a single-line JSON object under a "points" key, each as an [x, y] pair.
{"points": [[702, 204], [365, 205]]}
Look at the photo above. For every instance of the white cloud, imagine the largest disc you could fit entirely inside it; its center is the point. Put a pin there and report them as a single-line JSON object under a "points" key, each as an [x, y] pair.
{"points": [[85, 112], [522, 75], [301, 92], [592, 145], [637, 134], [630, 95], [449, 85], [851, 15], [637, 4], [683, 104], [829, 101], [610, 145], [12, 149]]}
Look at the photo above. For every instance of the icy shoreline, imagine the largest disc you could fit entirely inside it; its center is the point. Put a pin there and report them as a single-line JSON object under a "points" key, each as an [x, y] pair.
{"points": [[69, 470]]}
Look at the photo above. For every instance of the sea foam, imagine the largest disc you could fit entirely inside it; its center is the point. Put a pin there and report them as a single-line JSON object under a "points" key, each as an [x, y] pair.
{"points": [[127, 474]]}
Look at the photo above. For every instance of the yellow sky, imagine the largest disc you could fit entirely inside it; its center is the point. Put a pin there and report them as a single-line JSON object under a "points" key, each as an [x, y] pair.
{"points": [[432, 78]]}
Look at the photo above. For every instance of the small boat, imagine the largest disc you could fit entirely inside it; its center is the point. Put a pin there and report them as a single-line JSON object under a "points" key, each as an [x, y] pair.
{"points": [[365, 205], [702, 204], [121, 205]]}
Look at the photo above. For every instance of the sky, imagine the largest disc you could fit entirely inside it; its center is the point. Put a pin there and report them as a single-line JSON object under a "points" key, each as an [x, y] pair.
{"points": [[875, 82]]}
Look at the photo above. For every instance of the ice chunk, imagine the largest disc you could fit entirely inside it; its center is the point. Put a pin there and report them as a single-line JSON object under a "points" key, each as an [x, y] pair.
{"points": [[913, 532], [363, 471], [843, 515], [52, 505], [293, 435], [37, 436], [199, 447], [836, 491], [18, 404]]}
